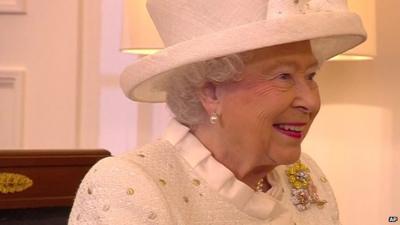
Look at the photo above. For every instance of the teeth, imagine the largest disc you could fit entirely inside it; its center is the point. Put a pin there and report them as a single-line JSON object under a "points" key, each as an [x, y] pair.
{"points": [[290, 128]]}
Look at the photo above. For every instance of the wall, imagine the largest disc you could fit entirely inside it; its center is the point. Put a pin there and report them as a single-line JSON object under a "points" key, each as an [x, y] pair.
{"points": [[123, 124], [69, 53], [44, 43], [118, 116]]}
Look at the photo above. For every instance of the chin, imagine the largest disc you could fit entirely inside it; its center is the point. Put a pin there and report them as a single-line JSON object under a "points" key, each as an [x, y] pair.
{"points": [[290, 158]]}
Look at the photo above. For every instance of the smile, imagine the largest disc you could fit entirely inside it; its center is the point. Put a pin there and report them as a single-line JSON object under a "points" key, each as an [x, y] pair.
{"points": [[293, 130]]}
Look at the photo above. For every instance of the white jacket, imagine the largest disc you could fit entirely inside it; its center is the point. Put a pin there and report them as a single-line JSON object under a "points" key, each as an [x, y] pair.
{"points": [[176, 181]]}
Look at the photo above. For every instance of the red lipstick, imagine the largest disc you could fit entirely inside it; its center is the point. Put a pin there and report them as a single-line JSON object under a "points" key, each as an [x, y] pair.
{"points": [[294, 130]]}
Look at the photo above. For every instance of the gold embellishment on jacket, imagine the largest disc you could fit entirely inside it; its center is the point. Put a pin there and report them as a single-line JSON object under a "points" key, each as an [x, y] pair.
{"points": [[162, 182], [130, 191], [185, 199], [304, 192], [106, 208], [323, 179], [196, 182], [152, 215], [141, 155], [13, 182]]}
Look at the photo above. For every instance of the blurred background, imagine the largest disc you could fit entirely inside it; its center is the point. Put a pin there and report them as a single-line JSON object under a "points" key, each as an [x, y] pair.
{"points": [[59, 88]]}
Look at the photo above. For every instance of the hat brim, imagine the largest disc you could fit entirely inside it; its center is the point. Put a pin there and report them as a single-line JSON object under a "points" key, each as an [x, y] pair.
{"points": [[330, 34]]}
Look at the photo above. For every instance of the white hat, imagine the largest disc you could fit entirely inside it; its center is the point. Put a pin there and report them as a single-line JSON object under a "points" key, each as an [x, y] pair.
{"points": [[197, 30]]}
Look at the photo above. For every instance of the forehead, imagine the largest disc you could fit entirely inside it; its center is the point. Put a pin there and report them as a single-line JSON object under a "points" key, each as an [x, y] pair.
{"points": [[296, 54]]}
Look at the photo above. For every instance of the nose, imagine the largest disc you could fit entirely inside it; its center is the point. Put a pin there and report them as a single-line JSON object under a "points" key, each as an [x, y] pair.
{"points": [[307, 99]]}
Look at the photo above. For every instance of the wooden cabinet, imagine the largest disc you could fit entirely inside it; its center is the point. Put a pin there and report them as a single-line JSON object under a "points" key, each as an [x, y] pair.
{"points": [[50, 178]]}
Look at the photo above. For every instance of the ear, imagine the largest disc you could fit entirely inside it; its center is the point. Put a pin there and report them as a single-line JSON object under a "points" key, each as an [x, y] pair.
{"points": [[209, 97]]}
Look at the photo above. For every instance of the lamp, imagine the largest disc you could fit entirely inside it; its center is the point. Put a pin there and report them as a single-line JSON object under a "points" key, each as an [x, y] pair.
{"points": [[139, 35], [367, 50]]}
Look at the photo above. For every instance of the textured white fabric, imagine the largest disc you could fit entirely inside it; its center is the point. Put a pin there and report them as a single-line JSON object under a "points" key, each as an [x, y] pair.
{"points": [[197, 30], [157, 184], [222, 180]]}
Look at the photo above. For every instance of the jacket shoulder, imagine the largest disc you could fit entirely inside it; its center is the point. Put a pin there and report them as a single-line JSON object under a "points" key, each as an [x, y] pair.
{"points": [[116, 190]]}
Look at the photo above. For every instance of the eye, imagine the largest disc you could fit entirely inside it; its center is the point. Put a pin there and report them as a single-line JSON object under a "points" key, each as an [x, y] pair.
{"points": [[311, 80], [311, 76], [284, 80], [284, 76]]}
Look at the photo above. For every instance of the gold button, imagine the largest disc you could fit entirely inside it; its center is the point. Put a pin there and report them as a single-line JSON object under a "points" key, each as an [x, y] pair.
{"points": [[152, 215], [130, 191], [195, 182], [323, 179], [321, 204], [162, 182], [185, 199], [106, 208]]}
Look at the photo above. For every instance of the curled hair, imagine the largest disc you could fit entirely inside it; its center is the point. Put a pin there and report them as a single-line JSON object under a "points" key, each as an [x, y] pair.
{"points": [[183, 86]]}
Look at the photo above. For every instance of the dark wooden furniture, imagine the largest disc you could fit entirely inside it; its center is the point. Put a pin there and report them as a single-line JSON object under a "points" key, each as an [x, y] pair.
{"points": [[50, 178]]}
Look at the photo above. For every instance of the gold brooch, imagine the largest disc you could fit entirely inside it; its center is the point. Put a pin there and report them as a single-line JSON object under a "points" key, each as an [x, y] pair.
{"points": [[303, 191]]}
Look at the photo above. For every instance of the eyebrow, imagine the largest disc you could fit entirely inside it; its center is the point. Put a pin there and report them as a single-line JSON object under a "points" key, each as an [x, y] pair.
{"points": [[293, 63]]}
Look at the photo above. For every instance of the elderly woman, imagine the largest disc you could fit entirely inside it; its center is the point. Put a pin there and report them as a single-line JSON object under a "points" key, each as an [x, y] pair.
{"points": [[240, 78]]}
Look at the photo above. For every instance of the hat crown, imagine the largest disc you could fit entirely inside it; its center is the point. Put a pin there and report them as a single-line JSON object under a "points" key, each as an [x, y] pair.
{"points": [[188, 19]]}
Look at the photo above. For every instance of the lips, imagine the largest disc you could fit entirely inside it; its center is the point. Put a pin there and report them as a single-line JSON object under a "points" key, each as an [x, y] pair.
{"points": [[293, 130]]}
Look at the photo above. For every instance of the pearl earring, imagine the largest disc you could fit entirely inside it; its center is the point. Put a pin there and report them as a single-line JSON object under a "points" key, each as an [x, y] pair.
{"points": [[213, 118]]}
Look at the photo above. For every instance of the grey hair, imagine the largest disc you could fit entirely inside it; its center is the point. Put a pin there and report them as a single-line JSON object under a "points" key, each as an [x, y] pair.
{"points": [[183, 86]]}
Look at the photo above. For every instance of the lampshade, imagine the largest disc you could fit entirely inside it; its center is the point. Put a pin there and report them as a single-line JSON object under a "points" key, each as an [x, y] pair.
{"points": [[367, 50], [139, 35]]}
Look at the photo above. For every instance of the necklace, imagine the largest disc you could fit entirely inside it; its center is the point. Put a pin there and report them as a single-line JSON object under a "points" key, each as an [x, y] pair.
{"points": [[260, 187]]}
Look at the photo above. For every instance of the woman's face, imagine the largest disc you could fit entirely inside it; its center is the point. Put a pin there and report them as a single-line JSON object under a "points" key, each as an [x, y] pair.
{"points": [[266, 115]]}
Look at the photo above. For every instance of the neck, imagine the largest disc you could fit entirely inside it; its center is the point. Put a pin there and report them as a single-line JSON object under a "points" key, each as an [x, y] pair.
{"points": [[247, 169]]}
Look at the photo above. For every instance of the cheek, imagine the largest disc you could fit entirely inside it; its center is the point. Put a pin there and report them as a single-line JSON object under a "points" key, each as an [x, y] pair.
{"points": [[270, 100], [264, 89], [317, 104], [270, 109], [258, 93], [255, 104]]}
